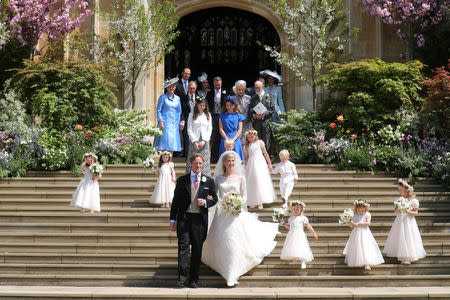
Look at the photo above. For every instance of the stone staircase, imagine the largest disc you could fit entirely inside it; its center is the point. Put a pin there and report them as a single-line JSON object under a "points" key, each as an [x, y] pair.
{"points": [[43, 241]]}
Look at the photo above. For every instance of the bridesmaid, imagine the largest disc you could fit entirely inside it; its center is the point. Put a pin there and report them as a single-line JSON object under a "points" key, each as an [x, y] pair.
{"points": [[230, 126], [170, 119]]}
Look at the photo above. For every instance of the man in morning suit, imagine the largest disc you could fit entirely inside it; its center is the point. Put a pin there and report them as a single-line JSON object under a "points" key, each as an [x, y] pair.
{"points": [[194, 194], [187, 106], [216, 100]]}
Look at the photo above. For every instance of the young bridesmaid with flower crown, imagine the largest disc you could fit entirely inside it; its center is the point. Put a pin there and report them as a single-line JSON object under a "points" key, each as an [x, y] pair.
{"points": [[296, 247], [362, 248], [404, 240], [258, 167], [165, 186], [87, 194]]}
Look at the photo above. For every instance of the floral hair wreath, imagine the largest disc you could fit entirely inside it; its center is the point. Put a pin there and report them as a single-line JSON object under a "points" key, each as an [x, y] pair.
{"points": [[297, 202], [361, 202], [166, 153], [90, 154], [251, 131], [405, 184]]}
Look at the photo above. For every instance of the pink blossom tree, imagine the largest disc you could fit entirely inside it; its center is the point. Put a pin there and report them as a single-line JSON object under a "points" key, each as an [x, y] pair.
{"points": [[47, 20], [420, 14]]}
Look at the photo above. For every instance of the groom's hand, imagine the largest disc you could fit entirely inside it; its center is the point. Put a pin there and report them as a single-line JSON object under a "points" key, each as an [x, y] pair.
{"points": [[173, 226], [201, 202]]}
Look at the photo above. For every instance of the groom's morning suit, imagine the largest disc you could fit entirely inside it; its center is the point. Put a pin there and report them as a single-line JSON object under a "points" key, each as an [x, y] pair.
{"points": [[192, 220]]}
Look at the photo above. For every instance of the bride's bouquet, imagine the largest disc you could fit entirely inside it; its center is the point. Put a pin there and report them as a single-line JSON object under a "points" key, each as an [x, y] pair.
{"points": [[232, 203], [346, 217], [279, 214], [402, 204], [96, 169]]}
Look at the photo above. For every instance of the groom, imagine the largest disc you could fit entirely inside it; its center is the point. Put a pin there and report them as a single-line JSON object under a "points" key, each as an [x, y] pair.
{"points": [[194, 194]]}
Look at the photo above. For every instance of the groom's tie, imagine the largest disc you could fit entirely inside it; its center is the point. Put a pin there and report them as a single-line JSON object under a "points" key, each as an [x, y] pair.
{"points": [[196, 182]]}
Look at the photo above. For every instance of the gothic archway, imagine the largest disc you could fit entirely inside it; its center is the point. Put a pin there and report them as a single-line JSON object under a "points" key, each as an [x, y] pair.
{"points": [[223, 41]]}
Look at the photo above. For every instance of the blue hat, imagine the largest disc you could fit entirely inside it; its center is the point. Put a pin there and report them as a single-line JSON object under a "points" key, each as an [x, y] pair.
{"points": [[231, 99]]}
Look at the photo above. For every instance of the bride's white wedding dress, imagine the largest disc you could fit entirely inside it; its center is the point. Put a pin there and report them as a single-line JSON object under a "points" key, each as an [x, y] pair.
{"points": [[236, 244]]}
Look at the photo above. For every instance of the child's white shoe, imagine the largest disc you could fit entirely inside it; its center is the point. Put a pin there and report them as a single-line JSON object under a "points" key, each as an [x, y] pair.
{"points": [[406, 262], [367, 267], [303, 265]]}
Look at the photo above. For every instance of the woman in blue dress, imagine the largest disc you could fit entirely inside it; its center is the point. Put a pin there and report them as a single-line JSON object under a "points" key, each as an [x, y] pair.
{"points": [[168, 114], [230, 126], [273, 80]]}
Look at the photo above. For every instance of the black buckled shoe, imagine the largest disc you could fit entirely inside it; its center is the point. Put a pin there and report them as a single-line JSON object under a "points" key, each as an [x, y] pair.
{"points": [[194, 284], [181, 283]]}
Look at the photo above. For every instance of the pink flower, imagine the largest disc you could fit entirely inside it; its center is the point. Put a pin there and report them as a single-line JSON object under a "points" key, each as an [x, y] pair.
{"points": [[349, 161]]}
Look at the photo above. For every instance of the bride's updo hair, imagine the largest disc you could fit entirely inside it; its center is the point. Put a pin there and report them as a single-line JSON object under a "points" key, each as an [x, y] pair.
{"points": [[225, 159]]}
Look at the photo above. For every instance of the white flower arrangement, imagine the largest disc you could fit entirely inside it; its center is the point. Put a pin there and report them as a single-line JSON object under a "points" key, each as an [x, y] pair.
{"points": [[346, 217], [232, 203], [96, 169], [402, 204], [149, 163], [279, 214]]}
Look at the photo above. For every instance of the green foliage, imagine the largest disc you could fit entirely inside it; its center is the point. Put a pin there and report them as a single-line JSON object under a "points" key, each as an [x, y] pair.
{"points": [[13, 117], [369, 93], [11, 57], [64, 95], [356, 158]]}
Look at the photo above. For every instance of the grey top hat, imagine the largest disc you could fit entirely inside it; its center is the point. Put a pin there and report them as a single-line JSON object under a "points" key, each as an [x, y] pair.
{"points": [[169, 82], [274, 74]]}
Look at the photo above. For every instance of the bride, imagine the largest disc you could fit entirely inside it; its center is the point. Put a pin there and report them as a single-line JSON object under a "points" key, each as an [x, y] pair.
{"points": [[235, 244]]}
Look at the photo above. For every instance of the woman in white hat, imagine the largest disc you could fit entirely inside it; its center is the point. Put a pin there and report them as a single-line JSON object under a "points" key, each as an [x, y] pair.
{"points": [[273, 80], [170, 118]]}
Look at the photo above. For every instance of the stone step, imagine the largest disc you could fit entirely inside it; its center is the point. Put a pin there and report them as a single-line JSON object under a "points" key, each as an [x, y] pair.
{"points": [[424, 225], [171, 258], [260, 270], [160, 217], [167, 237], [155, 248], [102, 293], [216, 281]]}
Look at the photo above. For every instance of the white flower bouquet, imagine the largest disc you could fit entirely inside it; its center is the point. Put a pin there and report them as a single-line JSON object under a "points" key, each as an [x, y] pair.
{"points": [[149, 163], [346, 217], [402, 204], [232, 203], [96, 169], [279, 214]]}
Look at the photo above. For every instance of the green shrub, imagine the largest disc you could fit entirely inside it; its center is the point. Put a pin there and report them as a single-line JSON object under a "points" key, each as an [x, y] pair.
{"points": [[369, 93], [66, 94]]}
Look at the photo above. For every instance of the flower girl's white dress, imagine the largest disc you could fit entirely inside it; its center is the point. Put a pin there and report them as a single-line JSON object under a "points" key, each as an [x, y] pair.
{"points": [[236, 244], [296, 246], [259, 183], [362, 248], [165, 187], [404, 240], [87, 194]]}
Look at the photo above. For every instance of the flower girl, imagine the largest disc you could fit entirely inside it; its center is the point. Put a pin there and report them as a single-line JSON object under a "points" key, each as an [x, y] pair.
{"points": [[289, 176], [362, 248], [404, 240], [296, 246], [87, 194], [165, 186], [259, 184]]}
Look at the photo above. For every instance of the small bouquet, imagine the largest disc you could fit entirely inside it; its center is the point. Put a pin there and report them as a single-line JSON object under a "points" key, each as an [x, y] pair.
{"points": [[346, 217], [232, 203], [149, 163], [279, 214], [402, 204], [96, 169]]}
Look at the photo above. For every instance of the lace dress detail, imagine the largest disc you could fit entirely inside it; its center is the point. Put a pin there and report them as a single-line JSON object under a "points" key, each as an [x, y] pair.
{"points": [[236, 244]]}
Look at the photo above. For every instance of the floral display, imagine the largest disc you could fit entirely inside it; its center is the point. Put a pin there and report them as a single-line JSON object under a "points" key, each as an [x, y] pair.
{"points": [[280, 214], [402, 204], [149, 163], [96, 169], [232, 203], [346, 217]]}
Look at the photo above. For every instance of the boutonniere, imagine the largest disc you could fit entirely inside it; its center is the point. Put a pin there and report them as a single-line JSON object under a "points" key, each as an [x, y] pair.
{"points": [[224, 92], [203, 179]]}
